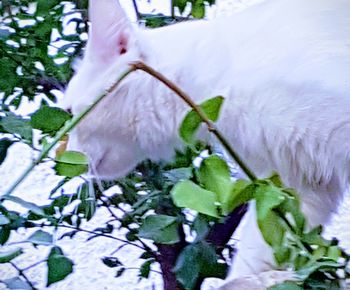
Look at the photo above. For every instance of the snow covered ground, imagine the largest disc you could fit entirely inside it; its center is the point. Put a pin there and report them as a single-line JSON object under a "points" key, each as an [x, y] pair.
{"points": [[89, 271]]}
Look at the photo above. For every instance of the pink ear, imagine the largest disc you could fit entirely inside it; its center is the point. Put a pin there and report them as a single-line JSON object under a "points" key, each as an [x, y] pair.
{"points": [[110, 29]]}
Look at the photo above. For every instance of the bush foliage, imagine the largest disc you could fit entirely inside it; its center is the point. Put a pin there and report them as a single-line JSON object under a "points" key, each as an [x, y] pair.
{"points": [[174, 212]]}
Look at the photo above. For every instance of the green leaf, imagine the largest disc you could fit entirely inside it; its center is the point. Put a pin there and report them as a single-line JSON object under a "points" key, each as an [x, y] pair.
{"points": [[71, 164], [8, 255], [187, 268], [201, 227], [291, 206], [26, 204], [198, 260], [314, 237], [49, 119], [120, 272], [334, 253], [59, 266], [207, 260], [40, 238], [304, 273], [286, 286], [88, 201], [111, 262], [5, 143], [4, 234], [272, 229], [177, 174], [242, 192], [145, 268], [198, 9], [44, 6], [214, 175], [282, 254], [181, 4], [268, 196], [191, 122], [162, 229], [16, 283], [17, 125], [189, 195]]}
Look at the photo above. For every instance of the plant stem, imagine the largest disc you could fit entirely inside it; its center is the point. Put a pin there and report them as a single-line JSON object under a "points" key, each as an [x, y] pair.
{"points": [[33, 265], [67, 128], [102, 235], [211, 127], [135, 268], [172, 8], [146, 247], [137, 12], [20, 272]]}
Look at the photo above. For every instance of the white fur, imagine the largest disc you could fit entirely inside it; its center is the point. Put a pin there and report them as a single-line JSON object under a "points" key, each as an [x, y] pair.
{"points": [[283, 67]]}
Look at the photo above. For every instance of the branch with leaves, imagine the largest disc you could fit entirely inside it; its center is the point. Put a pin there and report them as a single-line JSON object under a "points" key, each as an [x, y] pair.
{"points": [[209, 191]]}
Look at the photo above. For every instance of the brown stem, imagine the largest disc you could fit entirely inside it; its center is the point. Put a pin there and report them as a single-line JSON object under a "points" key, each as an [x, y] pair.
{"points": [[167, 259], [211, 127]]}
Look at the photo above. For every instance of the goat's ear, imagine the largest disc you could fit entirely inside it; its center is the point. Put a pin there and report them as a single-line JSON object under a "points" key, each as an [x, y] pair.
{"points": [[110, 29]]}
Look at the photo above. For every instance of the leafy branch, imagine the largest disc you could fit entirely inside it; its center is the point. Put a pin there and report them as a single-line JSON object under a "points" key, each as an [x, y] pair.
{"points": [[67, 128], [210, 191], [211, 126], [22, 274]]}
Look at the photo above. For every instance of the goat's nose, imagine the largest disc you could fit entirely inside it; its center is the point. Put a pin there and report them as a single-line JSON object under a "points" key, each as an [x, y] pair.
{"points": [[69, 110]]}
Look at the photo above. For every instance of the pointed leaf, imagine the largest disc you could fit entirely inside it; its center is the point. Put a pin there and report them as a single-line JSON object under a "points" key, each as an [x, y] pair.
{"points": [[17, 125], [268, 196], [272, 229], [26, 204], [314, 237], [214, 175], [198, 9], [187, 268], [49, 119], [5, 143], [162, 229], [71, 164], [192, 121], [8, 255], [59, 266], [145, 268], [4, 234], [17, 283], [41, 238], [242, 192], [189, 195]]}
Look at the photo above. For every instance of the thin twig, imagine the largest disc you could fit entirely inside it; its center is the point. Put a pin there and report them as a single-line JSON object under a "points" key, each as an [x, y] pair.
{"points": [[147, 248], [33, 265], [20, 272], [172, 9], [137, 12], [211, 127], [135, 268], [101, 234]]}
